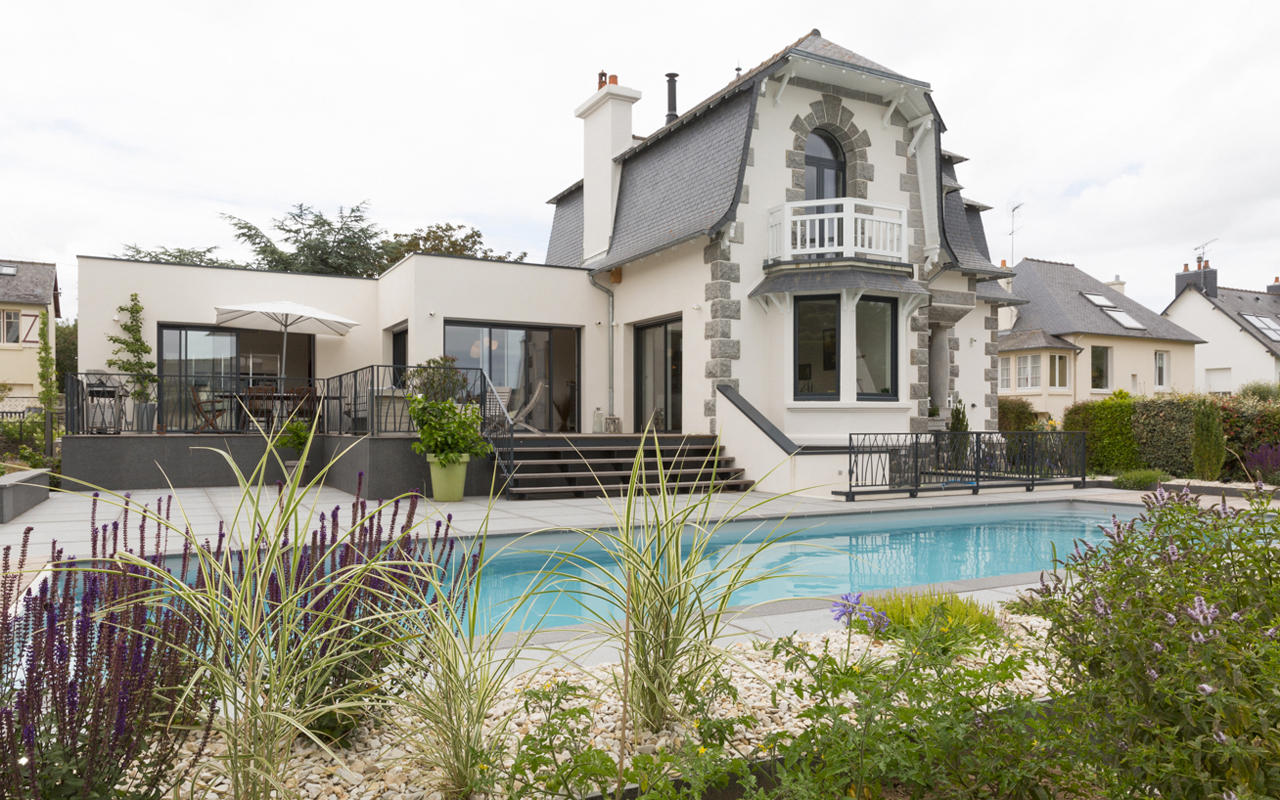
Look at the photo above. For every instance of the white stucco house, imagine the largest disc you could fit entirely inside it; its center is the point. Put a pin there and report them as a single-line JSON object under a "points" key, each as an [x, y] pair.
{"points": [[784, 263], [1240, 329]]}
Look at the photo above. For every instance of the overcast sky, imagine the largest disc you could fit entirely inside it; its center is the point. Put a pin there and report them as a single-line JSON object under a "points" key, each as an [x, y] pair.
{"points": [[1132, 132]]}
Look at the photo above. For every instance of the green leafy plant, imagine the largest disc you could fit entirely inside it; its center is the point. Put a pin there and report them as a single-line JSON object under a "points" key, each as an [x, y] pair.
{"points": [[1162, 430], [1109, 441], [962, 619], [1209, 445], [294, 436], [959, 417], [47, 367], [130, 354], [933, 411], [1139, 480], [447, 431], [1266, 391], [437, 379], [1169, 648], [1015, 414]]}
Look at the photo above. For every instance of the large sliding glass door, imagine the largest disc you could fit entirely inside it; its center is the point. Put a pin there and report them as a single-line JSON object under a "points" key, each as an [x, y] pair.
{"points": [[659, 376], [534, 370]]}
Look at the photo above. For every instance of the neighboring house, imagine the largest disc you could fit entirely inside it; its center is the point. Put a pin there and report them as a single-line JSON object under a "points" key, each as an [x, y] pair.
{"points": [[1077, 338], [26, 289], [1240, 329], [790, 258]]}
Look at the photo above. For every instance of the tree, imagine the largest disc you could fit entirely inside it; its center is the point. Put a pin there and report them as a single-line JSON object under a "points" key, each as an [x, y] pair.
{"points": [[130, 355], [180, 255], [346, 245], [48, 369], [443, 239], [65, 354]]}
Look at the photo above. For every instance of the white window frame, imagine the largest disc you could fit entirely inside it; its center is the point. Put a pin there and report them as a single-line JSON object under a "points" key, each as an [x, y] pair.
{"points": [[7, 315], [1162, 371], [1058, 371], [1029, 371], [1004, 372]]}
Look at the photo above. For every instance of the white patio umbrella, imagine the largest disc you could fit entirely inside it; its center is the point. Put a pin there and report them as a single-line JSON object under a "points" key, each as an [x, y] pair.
{"points": [[287, 316]]}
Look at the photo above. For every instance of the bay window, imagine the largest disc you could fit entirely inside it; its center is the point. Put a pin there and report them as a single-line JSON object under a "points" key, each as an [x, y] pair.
{"points": [[1057, 371], [877, 339], [1029, 372], [817, 347]]}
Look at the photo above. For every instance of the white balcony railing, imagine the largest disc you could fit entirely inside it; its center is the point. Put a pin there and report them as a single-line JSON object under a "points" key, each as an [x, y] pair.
{"points": [[840, 227]]}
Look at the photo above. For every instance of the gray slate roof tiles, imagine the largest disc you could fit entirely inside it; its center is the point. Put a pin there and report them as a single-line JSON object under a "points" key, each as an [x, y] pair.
{"points": [[812, 280], [565, 247], [993, 292], [1009, 341], [35, 282], [1057, 307], [1234, 302]]}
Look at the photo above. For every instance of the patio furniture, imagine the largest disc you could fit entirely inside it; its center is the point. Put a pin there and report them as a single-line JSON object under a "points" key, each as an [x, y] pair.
{"points": [[259, 404], [105, 402], [208, 409], [302, 402]]}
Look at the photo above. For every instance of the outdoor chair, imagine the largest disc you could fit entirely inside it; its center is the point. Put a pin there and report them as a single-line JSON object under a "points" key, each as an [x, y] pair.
{"points": [[259, 404], [207, 409], [302, 402]]}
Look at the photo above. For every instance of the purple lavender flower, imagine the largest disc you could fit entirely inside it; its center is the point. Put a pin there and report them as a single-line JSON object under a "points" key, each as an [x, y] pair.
{"points": [[1219, 737], [1152, 674], [1235, 616], [1202, 612], [1270, 633], [1159, 648], [1101, 608], [1205, 689], [1171, 619], [1198, 637]]}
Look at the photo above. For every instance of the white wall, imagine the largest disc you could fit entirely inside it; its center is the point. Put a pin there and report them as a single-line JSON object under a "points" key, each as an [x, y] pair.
{"points": [[1227, 345], [173, 294]]}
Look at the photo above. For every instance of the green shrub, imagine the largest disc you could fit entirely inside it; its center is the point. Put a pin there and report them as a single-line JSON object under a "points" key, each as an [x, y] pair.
{"points": [[1162, 429], [1247, 424], [1139, 480], [1170, 653], [1109, 444], [959, 419], [1267, 391], [1209, 446], [910, 613], [446, 430], [1015, 414]]}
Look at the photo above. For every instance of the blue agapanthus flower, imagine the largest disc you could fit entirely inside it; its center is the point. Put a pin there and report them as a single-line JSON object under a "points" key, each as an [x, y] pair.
{"points": [[849, 610]]}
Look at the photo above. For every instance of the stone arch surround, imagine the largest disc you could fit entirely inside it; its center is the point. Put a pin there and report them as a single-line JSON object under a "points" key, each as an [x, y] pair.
{"points": [[830, 116]]}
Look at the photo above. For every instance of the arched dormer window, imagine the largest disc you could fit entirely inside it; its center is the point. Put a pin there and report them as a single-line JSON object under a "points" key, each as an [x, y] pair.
{"points": [[823, 167]]}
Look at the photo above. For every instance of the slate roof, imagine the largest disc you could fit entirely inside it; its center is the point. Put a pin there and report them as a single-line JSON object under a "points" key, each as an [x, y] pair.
{"points": [[36, 283], [962, 234], [993, 292], [1008, 341], [565, 247], [1234, 302], [811, 280], [1056, 306], [659, 205]]}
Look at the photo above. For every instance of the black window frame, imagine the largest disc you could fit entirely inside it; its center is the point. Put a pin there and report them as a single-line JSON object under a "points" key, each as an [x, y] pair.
{"points": [[895, 355], [640, 422], [810, 397]]}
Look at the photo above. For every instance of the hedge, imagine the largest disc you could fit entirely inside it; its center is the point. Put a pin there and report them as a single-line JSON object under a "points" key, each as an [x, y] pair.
{"points": [[1247, 424], [1162, 429], [1109, 443], [1015, 414]]}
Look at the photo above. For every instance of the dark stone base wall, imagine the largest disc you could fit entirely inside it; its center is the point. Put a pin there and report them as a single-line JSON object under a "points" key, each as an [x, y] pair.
{"points": [[181, 460]]}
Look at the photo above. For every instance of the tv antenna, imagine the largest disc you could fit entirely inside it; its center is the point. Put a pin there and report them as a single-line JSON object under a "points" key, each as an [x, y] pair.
{"points": [[1200, 251], [1013, 228]]}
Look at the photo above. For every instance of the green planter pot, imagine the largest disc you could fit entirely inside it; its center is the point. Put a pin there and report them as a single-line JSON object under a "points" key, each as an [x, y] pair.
{"points": [[448, 483]]}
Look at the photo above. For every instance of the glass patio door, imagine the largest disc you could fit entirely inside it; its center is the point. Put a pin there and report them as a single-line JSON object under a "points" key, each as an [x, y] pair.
{"points": [[659, 379], [197, 364]]}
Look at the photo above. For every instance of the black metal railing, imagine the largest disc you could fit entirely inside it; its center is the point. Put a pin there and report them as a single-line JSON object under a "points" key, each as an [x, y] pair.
{"points": [[881, 463], [102, 402]]}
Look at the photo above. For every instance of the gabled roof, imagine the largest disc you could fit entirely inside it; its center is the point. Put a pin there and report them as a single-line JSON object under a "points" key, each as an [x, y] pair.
{"points": [[1234, 302], [1056, 305], [685, 180], [34, 283]]}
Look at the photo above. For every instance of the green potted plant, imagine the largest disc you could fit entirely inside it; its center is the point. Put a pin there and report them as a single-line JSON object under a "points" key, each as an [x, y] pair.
{"points": [[130, 357], [437, 378], [293, 440], [449, 436]]}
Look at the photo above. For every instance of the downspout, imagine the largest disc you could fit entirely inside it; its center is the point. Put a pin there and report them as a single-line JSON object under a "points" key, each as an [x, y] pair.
{"points": [[591, 275]]}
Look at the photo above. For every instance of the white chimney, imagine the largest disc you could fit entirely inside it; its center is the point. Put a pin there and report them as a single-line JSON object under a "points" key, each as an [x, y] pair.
{"points": [[606, 133], [1117, 284]]}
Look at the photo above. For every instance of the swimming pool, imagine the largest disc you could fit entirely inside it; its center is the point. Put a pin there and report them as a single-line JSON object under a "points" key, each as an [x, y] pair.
{"points": [[845, 553]]}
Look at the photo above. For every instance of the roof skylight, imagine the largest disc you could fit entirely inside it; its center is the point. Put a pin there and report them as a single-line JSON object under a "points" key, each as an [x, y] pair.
{"points": [[8, 269], [1124, 319], [1269, 327], [1098, 300]]}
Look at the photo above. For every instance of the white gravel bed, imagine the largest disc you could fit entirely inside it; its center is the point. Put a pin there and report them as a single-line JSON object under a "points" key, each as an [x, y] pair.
{"points": [[380, 764]]}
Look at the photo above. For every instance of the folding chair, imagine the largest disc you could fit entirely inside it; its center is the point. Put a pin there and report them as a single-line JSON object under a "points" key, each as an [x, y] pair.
{"points": [[208, 410]]}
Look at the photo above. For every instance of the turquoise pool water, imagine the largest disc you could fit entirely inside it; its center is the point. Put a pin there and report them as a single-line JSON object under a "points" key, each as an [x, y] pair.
{"points": [[847, 553]]}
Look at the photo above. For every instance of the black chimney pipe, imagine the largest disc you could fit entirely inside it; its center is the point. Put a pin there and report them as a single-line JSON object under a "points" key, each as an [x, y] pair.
{"points": [[671, 97]]}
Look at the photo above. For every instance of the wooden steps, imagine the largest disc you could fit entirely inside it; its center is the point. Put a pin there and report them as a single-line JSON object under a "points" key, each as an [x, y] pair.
{"points": [[595, 465]]}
